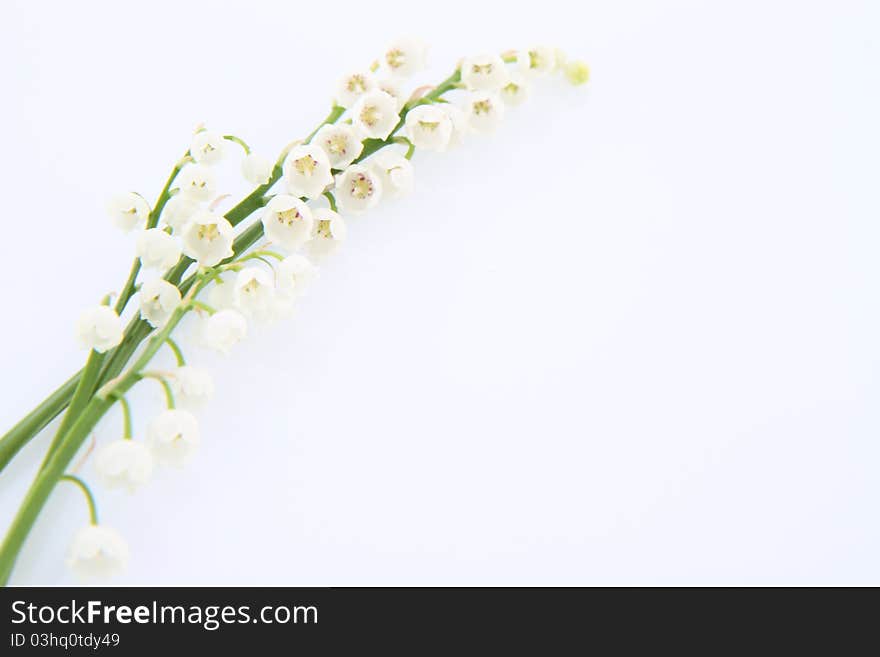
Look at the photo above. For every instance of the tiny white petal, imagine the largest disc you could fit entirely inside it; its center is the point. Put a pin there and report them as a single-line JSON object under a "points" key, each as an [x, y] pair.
{"points": [[207, 238], [484, 73], [157, 249], [99, 328], [353, 86], [178, 211], [173, 436], [192, 386], [97, 552], [197, 182], [485, 111], [207, 147], [358, 189], [295, 273], [223, 330], [460, 124], [375, 114], [124, 464], [429, 127], [405, 57], [341, 143], [395, 172], [128, 210], [158, 300], [287, 221], [329, 231], [254, 291], [391, 86], [307, 171], [256, 169]]}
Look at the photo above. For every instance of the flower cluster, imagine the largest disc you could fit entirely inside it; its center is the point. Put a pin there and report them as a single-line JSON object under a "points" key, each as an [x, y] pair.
{"points": [[360, 156]]}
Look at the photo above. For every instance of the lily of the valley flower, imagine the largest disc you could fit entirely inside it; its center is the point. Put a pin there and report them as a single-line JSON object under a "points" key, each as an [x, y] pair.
{"points": [[577, 73], [223, 330], [375, 114], [358, 189], [329, 231], [460, 124], [99, 328], [287, 221], [256, 169], [158, 300], [178, 211], [207, 238], [174, 436], [97, 552], [124, 464], [295, 273], [157, 249], [516, 90], [405, 57], [395, 172], [485, 111], [391, 87], [254, 291], [538, 60], [207, 147], [429, 127], [484, 73], [128, 210], [353, 86], [192, 386], [307, 171], [340, 142], [197, 182]]}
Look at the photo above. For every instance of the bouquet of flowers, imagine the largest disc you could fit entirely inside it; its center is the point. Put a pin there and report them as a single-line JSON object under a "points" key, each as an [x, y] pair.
{"points": [[249, 264]]}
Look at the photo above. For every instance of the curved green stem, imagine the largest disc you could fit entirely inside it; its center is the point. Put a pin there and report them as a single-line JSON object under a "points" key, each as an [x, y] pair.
{"points": [[90, 499], [126, 417], [178, 353]]}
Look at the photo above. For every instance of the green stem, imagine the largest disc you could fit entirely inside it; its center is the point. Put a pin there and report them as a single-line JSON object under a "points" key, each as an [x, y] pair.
{"points": [[126, 417], [90, 499], [178, 353], [166, 387]]}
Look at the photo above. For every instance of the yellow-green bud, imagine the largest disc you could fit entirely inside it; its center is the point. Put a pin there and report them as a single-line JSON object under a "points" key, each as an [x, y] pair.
{"points": [[577, 72]]}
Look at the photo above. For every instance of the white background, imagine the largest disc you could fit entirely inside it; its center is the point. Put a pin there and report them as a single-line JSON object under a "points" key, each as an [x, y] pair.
{"points": [[632, 338]]}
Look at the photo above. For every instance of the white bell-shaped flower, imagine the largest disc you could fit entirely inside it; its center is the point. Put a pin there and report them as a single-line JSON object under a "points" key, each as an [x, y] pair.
{"points": [[405, 57], [158, 300], [178, 211], [197, 182], [516, 90], [329, 231], [358, 189], [375, 114], [287, 221], [429, 127], [97, 552], [221, 293], [484, 73], [537, 60], [207, 147], [99, 328], [295, 273], [254, 291], [395, 172], [193, 387], [157, 249], [128, 210], [207, 238], [391, 86], [223, 330], [485, 111], [307, 171], [124, 464], [353, 86], [256, 169], [577, 72], [341, 142], [173, 436]]}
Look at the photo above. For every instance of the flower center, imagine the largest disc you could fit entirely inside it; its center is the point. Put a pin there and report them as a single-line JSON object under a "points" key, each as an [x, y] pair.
{"points": [[337, 144], [208, 232], [357, 84], [395, 58], [512, 88], [324, 229], [370, 115], [289, 217], [361, 186], [429, 126], [483, 107], [482, 69], [535, 59], [251, 286], [305, 166]]}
